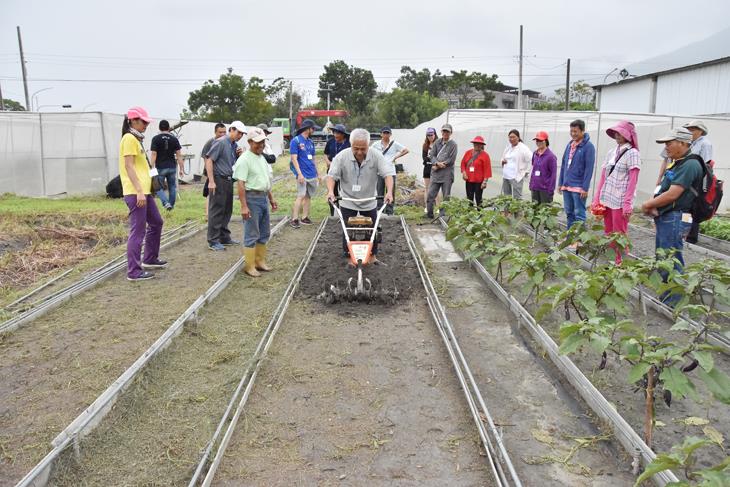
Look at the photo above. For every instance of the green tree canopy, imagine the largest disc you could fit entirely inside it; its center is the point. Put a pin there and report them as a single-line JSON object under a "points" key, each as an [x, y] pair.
{"points": [[13, 106], [582, 98], [408, 108], [233, 98], [422, 81], [352, 87]]}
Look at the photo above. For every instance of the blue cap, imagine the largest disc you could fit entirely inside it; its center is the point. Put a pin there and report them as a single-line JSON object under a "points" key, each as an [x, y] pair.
{"points": [[386, 129], [341, 129]]}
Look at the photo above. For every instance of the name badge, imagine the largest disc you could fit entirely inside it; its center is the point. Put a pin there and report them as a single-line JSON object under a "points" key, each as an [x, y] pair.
{"points": [[309, 156], [153, 172], [356, 188], [537, 173], [570, 161], [471, 169], [687, 217]]}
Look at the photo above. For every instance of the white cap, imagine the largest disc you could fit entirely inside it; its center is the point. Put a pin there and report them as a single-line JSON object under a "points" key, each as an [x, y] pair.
{"points": [[256, 134], [238, 125]]}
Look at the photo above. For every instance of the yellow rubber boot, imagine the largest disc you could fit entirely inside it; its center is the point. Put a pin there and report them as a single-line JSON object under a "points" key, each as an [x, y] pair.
{"points": [[261, 258], [249, 265]]}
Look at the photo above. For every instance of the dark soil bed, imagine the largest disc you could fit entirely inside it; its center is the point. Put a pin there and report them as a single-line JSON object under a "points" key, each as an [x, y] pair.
{"points": [[396, 270]]}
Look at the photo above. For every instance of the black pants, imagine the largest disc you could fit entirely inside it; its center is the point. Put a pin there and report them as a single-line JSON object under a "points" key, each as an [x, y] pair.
{"points": [[381, 192], [220, 208], [337, 193], [474, 193], [542, 197], [347, 213]]}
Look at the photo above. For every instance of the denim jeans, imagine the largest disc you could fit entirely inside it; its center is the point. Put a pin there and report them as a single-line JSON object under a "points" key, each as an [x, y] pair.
{"points": [[670, 233], [256, 229], [170, 174], [575, 207]]}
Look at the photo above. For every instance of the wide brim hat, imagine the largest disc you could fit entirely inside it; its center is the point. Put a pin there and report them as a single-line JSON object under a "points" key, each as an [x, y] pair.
{"points": [[308, 124], [696, 124], [478, 140], [341, 129], [679, 134]]}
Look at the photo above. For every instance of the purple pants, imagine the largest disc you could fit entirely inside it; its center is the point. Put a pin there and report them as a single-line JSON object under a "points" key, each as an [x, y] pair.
{"points": [[145, 223]]}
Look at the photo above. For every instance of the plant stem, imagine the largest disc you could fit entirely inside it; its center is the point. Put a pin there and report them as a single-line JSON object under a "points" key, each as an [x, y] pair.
{"points": [[649, 412]]}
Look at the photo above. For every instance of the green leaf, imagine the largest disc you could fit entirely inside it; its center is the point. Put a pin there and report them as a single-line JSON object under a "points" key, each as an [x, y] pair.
{"points": [[717, 382], [638, 371], [677, 382], [572, 343], [623, 286], [714, 478], [660, 464], [682, 325], [599, 343], [692, 421], [615, 303], [705, 360]]}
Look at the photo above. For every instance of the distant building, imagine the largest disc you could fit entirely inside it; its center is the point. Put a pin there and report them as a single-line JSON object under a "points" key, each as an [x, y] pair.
{"points": [[693, 80], [507, 98]]}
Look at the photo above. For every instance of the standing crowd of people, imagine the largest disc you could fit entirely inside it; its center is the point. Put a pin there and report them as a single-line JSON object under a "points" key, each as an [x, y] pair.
{"points": [[357, 169]]}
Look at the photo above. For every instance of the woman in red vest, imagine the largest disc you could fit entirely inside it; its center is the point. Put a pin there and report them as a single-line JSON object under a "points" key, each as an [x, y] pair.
{"points": [[476, 169]]}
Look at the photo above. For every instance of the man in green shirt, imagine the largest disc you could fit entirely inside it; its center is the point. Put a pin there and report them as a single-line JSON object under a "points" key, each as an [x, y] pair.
{"points": [[671, 206], [254, 176]]}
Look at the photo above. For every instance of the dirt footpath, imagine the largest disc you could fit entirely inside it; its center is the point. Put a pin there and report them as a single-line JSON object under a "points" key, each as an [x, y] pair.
{"points": [[54, 367], [544, 427], [356, 394], [155, 433]]}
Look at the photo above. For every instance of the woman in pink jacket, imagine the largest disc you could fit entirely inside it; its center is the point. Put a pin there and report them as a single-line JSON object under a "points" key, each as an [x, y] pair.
{"points": [[619, 176]]}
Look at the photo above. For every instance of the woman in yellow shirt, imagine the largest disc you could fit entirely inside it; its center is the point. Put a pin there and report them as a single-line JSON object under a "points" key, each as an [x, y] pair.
{"points": [[145, 222]]}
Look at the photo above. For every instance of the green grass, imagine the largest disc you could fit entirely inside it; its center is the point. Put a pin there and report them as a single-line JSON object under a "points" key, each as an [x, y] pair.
{"points": [[718, 227]]}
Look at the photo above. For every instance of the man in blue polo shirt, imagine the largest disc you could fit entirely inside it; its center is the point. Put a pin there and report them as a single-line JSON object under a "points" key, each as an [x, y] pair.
{"points": [[339, 142], [304, 168]]}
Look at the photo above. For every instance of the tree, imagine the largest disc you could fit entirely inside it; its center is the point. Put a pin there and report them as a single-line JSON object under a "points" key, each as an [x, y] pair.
{"points": [[232, 98], [582, 98], [351, 86], [464, 85], [408, 108], [13, 106], [422, 81]]}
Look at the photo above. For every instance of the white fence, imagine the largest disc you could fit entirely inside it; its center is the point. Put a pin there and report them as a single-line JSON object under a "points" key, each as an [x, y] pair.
{"points": [[494, 125], [49, 154]]}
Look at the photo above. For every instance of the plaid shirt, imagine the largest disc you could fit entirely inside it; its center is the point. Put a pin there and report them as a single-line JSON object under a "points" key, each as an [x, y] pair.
{"points": [[613, 194]]}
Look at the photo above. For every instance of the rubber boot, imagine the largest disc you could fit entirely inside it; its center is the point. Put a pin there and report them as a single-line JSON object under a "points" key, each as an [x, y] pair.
{"points": [[249, 265], [261, 258]]}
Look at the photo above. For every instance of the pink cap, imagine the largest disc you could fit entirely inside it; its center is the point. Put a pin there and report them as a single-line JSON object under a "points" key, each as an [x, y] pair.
{"points": [[138, 112]]}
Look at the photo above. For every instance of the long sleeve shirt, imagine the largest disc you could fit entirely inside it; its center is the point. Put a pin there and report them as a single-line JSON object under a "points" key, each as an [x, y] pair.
{"points": [[443, 152]]}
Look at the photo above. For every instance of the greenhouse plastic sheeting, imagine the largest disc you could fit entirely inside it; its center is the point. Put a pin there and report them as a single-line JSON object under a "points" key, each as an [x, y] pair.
{"points": [[49, 154], [494, 126]]}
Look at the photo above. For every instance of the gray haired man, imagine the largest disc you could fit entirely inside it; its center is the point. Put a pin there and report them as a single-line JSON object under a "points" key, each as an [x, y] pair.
{"points": [[442, 156]]}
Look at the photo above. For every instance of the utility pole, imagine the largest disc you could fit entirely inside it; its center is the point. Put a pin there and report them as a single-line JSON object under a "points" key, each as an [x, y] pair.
{"points": [[328, 90], [291, 107], [567, 87], [25, 73], [519, 89], [2, 101]]}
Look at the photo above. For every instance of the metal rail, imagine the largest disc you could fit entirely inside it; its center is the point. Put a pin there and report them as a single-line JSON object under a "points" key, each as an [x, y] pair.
{"points": [[498, 457], [92, 416], [623, 431], [242, 392], [90, 280]]}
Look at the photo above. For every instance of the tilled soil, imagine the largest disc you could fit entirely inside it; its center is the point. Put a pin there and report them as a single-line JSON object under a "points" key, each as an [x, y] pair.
{"points": [[53, 368], [356, 394], [542, 421], [396, 270], [613, 383], [721, 246], [155, 433]]}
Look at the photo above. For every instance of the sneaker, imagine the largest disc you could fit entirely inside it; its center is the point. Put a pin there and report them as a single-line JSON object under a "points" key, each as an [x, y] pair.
{"points": [[216, 246], [168, 207], [428, 217], [158, 264], [142, 277], [425, 210], [294, 224], [231, 242], [345, 255], [306, 221]]}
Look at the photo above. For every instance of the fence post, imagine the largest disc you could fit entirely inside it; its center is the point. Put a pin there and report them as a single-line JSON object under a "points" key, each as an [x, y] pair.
{"points": [[103, 143], [43, 161], [596, 165]]}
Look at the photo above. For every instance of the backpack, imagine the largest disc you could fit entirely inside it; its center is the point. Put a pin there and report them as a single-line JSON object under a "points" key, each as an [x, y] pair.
{"points": [[708, 193]]}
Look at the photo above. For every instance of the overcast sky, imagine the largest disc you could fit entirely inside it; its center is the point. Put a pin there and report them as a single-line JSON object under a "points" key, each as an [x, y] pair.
{"points": [[84, 50]]}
